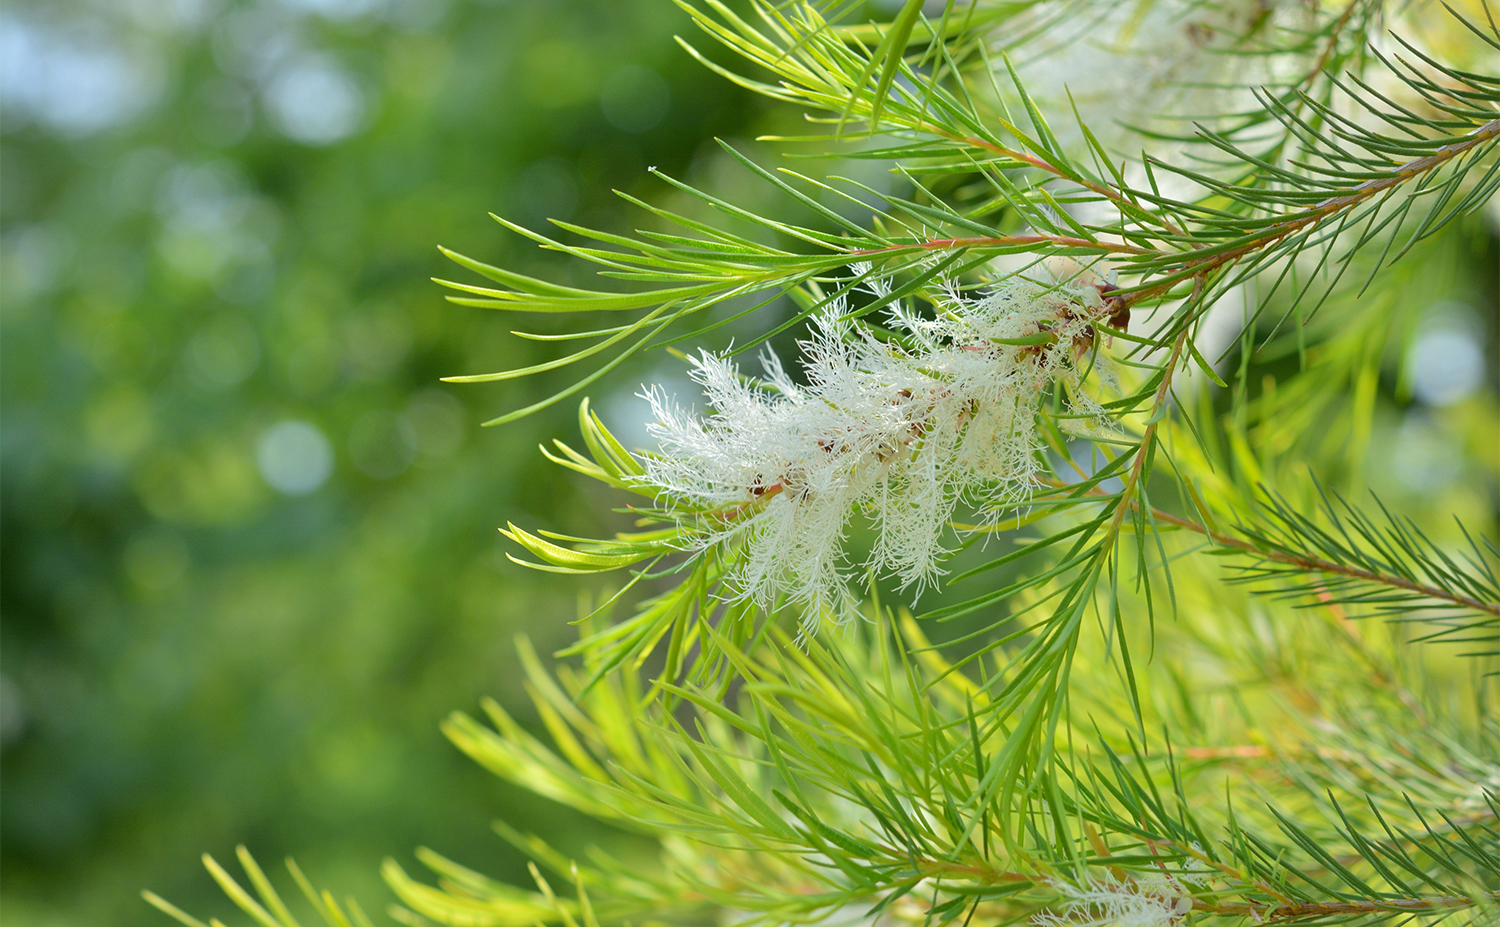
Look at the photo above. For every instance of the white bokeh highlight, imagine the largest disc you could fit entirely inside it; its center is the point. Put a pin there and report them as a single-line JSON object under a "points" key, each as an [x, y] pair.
{"points": [[1446, 363], [312, 100], [75, 82], [294, 457]]}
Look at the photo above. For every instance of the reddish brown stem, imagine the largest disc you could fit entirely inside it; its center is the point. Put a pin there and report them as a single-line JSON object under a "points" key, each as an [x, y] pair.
{"points": [[1334, 204], [1316, 564], [1292, 909], [1003, 240], [1144, 449], [1198, 267]]}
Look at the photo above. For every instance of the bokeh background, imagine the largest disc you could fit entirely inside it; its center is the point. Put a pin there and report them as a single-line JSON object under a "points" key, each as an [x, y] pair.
{"points": [[249, 539]]}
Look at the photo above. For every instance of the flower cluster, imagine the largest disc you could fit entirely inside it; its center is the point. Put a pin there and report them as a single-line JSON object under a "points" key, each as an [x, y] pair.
{"points": [[1184, 57], [1157, 900], [902, 430]]}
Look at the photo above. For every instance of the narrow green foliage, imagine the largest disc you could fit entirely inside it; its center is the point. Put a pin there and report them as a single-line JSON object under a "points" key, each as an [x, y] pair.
{"points": [[265, 906], [1094, 723], [1386, 567]]}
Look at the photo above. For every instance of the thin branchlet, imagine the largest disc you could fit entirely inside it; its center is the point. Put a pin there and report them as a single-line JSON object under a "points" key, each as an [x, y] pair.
{"points": [[1314, 564]]}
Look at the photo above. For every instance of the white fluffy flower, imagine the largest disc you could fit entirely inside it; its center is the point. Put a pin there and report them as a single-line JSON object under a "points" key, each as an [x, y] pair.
{"points": [[1144, 64], [903, 434], [1151, 901]]}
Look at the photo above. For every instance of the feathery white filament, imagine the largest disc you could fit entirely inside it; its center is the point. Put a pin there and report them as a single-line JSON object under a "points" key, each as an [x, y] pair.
{"points": [[1155, 901], [1182, 57], [902, 435]]}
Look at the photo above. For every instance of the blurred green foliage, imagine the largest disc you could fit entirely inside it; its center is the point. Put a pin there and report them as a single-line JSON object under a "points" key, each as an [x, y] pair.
{"points": [[219, 221]]}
